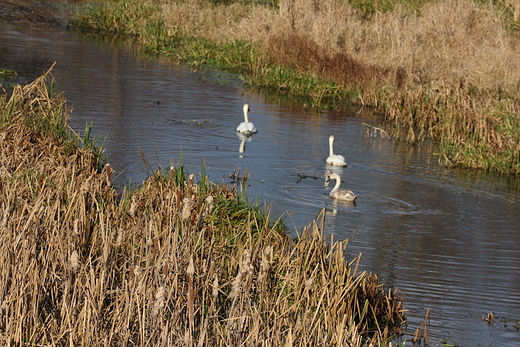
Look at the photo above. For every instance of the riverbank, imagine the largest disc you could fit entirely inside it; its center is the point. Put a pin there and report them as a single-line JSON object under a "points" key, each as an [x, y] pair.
{"points": [[445, 71], [178, 261]]}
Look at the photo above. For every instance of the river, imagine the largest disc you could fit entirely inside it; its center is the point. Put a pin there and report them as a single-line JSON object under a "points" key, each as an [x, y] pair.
{"points": [[448, 239]]}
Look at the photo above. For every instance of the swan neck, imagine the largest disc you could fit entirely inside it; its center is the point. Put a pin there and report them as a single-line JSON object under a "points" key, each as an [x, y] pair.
{"points": [[331, 141], [245, 115], [338, 182]]}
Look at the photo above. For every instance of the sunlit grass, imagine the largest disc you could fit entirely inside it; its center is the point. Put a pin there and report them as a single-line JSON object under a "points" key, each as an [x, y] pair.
{"points": [[422, 65], [175, 260]]}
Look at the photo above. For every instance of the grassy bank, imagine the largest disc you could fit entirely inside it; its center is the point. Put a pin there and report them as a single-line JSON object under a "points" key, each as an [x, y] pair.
{"points": [[178, 261], [445, 70]]}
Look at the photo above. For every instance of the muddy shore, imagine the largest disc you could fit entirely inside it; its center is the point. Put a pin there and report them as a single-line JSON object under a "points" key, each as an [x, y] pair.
{"points": [[35, 13]]}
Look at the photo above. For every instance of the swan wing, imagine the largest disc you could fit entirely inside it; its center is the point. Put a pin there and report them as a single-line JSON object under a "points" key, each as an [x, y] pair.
{"points": [[337, 160], [246, 127], [345, 195]]}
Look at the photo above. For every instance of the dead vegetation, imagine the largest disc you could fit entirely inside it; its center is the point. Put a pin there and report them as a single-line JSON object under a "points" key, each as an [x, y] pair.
{"points": [[447, 71], [174, 263]]}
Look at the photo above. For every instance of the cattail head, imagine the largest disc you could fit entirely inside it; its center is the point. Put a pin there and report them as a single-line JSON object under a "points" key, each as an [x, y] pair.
{"points": [[159, 301], [74, 260], [191, 269], [133, 206], [308, 284], [4, 218], [186, 208], [209, 205], [119, 238], [246, 267], [264, 264], [108, 173], [214, 291], [236, 286], [136, 272], [75, 232]]}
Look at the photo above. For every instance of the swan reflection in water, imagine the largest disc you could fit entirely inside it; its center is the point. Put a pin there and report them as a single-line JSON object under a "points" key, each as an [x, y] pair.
{"points": [[243, 139]]}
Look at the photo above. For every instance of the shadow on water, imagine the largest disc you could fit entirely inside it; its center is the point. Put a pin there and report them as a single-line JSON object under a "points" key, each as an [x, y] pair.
{"points": [[448, 239]]}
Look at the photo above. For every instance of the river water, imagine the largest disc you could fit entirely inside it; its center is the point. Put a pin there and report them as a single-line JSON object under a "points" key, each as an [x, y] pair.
{"points": [[448, 239]]}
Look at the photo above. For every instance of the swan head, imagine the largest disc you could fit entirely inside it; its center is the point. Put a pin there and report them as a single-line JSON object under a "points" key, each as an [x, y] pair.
{"points": [[332, 176]]}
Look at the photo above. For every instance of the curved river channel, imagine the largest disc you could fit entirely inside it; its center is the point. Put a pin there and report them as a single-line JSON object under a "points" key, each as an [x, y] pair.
{"points": [[448, 239]]}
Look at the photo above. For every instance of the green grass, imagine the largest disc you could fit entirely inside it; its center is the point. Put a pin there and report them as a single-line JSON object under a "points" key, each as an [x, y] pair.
{"points": [[300, 69]]}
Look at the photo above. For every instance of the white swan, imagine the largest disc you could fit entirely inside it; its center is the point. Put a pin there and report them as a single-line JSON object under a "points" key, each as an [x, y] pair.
{"points": [[246, 127], [340, 194], [334, 159]]}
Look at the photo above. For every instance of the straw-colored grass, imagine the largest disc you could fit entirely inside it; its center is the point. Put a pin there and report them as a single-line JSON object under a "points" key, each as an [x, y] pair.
{"points": [[447, 70], [174, 263]]}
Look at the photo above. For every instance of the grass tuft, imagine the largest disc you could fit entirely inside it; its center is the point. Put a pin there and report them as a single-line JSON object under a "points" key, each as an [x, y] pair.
{"points": [[174, 261], [445, 70]]}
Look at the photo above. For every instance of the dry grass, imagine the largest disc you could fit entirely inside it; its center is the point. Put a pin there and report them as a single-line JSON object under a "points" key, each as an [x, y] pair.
{"points": [[449, 72], [449, 40], [174, 263]]}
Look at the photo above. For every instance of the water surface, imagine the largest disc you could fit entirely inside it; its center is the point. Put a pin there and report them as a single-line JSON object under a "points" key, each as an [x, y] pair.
{"points": [[448, 239]]}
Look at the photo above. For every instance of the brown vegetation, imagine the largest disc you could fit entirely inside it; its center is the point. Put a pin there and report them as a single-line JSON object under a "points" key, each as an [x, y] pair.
{"points": [[449, 71], [173, 263]]}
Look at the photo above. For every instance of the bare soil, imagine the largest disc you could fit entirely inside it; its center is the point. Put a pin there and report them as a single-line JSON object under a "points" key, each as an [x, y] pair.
{"points": [[35, 13]]}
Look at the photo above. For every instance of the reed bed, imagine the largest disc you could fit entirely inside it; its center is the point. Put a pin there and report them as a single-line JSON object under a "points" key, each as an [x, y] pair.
{"points": [[444, 70], [175, 262]]}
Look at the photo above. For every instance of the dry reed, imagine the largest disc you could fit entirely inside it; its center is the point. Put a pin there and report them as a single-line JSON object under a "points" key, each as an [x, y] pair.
{"points": [[173, 263], [449, 71]]}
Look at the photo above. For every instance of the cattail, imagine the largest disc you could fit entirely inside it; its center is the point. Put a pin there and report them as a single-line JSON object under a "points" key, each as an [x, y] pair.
{"points": [[264, 264], [191, 268], [4, 218], [119, 238], [108, 173], [209, 205], [172, 173], [214, 292], [191, 294], [186, 209], [137, 271], [308, 284], [235, 286], [245, 269], [133, 206], [75, 232], [159, 301], [85, 187], [165, 268], [155, 245], [74, 260]]}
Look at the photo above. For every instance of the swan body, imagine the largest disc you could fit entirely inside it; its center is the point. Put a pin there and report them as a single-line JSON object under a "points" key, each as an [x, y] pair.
{"points": [[340, 194], [246, 127], [334, 159]]}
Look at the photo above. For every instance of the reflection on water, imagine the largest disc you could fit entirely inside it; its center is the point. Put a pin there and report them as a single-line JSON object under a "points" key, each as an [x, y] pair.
{"points": [[447, 239], [243, 139]]}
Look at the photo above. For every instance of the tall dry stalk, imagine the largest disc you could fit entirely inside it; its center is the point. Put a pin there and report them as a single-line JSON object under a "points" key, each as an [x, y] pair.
{"points": [[172, 263]]}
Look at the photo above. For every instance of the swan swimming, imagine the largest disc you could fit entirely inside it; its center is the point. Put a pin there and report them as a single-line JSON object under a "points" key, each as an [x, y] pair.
{"points": [[340, 194], [246, 127], [334, 159]]}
